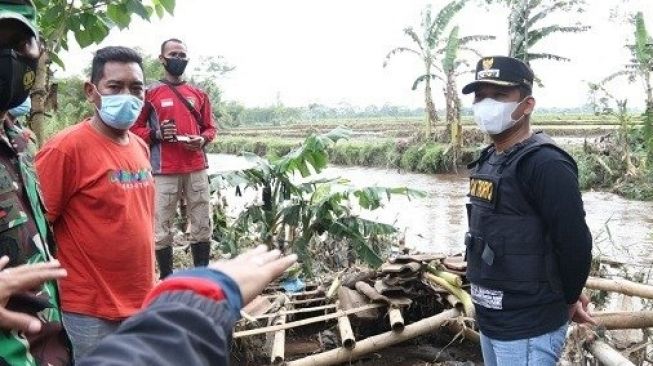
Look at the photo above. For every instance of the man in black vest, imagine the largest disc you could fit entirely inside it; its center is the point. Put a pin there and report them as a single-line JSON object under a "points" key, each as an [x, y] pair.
{"points": [[528, 246]]}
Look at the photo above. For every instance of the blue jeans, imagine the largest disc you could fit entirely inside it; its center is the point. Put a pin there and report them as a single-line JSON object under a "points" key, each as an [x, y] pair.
{"points": [[543, 350], [85, 332]]}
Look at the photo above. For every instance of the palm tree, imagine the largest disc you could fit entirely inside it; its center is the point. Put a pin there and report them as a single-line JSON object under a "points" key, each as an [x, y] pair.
{"points": [[525, 29], [426, 48]]}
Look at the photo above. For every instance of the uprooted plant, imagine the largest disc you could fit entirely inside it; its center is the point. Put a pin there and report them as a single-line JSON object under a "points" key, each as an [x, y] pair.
{"points": [[312, 216]]}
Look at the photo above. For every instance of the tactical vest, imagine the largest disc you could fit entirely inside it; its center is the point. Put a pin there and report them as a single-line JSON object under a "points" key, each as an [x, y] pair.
{"points": [[507, 247]]}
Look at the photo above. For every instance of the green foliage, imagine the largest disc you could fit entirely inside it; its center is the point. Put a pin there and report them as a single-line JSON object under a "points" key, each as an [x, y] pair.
{"points": [[410, 158], [72, 105], [312, 208], [90, 20]]}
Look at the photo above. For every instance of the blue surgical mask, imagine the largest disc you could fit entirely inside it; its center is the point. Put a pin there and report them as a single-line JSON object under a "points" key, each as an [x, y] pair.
{"points": [[23, 109], [120, 111]]}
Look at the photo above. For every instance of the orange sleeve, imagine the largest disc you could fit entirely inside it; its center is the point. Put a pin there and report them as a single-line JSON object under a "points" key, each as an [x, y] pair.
{"points": [[57, 175]]}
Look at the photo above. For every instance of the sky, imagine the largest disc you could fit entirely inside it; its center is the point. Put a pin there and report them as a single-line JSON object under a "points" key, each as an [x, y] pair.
{"points": [[332, 51]]}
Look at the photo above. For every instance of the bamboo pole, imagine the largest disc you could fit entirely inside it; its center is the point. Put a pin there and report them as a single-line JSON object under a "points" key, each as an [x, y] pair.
{"points": [[396, 320], [298, 294], [278, 346], [377, 342], [317, 319], [607, 355], [333, 289], [307, 301], [625, 320], [346, 333], [621, 286], [298, 311]]}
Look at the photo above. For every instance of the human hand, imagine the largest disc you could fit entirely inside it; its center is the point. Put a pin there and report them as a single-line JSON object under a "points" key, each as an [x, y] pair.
{"points": [[255, 269], [195, 143], [24, 278], [578, 311], [168, 130]]}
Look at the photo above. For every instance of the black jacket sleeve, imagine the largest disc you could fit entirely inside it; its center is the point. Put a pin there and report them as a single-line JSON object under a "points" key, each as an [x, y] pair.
{"points": [[178, 328], [552, 183]]}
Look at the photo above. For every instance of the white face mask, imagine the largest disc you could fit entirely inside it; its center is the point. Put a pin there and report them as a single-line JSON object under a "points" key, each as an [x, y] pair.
{"points": [[494, 117]]}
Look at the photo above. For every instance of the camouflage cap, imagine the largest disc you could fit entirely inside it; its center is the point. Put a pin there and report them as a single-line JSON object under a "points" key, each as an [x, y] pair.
{"points": [[23, 11]]}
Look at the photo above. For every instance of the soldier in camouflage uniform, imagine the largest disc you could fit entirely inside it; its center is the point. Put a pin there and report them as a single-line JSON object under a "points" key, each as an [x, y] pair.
{"points": [[24, 233]]}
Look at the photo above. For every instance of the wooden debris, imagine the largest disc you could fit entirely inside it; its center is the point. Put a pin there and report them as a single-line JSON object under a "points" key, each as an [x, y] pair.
{"points": [[352, 299], [376, 297], [404, 269], [259, 306], [621, 286], [456, 263], [419, 258], [377, 342], [350, 279]]}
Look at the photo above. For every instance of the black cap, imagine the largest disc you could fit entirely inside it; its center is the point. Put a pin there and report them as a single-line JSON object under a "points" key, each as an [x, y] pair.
{"points": [[502, 71]]}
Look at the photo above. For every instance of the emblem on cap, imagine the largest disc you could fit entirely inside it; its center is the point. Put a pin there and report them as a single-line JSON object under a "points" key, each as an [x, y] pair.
{"points": [[487, 63], [28, 79]]}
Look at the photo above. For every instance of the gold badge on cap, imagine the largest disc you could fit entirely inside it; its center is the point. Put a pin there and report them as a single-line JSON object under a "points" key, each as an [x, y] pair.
{"points": [[487, 63], [28, 79]]}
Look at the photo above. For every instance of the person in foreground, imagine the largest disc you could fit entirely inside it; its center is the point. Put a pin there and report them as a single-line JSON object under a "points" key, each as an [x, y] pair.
{"points": [[32, 312], [98, 192], [528, 247], [188, 318]]}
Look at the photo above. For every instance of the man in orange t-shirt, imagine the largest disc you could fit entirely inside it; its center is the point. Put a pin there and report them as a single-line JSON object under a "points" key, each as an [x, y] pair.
{"points": [[98, 192]]}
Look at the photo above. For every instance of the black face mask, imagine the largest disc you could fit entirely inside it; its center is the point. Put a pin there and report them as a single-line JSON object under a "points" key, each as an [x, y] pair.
{"points": [[175, 66], [17, 74]]}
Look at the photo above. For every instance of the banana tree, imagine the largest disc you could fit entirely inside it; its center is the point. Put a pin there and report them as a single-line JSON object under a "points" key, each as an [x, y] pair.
{"points": [[525, 30], [300, 212], [453, 66], [640, 69], [426, 47]]}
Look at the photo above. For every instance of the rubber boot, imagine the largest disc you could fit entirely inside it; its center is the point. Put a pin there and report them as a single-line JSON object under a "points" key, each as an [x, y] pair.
{"points": [[201, 253], [164, 259]]}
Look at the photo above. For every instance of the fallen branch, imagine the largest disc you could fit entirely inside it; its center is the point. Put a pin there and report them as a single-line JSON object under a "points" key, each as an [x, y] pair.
{"points": [[621, 286], [375, 343]]}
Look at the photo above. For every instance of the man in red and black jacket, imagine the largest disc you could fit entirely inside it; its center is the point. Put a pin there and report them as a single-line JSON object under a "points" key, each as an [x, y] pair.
{"points": [[177, 122]]}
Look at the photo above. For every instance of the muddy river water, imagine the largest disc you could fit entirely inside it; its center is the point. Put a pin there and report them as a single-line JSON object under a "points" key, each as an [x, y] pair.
{"points": [[622, 229]]}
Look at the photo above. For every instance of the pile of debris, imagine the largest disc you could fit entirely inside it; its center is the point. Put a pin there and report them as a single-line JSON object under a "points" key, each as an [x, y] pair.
{"points": [[358, 312]]}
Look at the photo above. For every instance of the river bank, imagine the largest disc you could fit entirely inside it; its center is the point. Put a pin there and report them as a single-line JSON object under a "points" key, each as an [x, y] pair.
{"points": [[409, 155]]}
